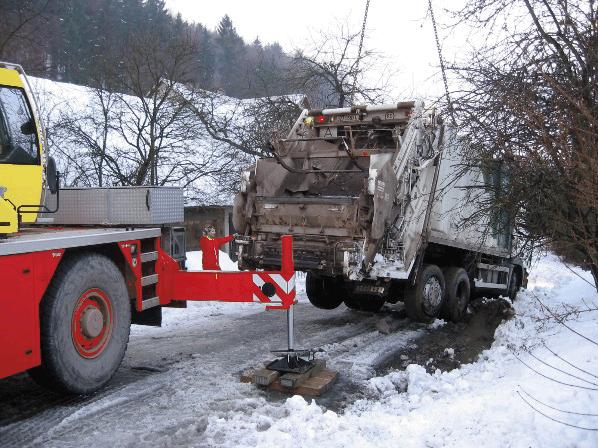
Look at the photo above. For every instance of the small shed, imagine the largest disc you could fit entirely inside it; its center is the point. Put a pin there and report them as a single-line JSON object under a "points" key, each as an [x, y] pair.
{"points": [[197, 218]]}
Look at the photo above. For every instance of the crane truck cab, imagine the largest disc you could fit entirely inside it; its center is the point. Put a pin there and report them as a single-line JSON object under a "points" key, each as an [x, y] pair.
{"points": [[21, 151]]}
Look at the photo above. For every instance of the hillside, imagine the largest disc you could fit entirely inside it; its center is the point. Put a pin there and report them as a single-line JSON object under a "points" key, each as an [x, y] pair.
{"points": [[84, 124]]}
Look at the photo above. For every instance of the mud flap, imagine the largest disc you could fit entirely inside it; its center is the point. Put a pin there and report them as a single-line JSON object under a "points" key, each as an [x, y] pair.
{"points": [[151, 317]]}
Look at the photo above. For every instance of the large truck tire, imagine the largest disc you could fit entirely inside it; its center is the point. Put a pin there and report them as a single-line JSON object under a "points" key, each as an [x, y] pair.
{"points": [[423, 301], [364, 303], [457, 294], [324, 292], [85, 320]]}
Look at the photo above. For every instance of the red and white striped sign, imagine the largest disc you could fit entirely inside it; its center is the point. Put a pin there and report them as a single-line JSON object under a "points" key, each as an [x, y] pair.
{"points": [[284, 289]]}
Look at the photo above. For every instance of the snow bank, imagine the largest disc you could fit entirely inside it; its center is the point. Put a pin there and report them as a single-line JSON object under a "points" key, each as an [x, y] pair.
{"points": [[479, 404], [194, 261]]}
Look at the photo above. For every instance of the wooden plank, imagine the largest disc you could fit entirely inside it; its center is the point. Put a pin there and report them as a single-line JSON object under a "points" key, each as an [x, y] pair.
{"points": [[314, 386], [317, 384], [265, 377], [292, 380], [247, 376], [313, 383]]}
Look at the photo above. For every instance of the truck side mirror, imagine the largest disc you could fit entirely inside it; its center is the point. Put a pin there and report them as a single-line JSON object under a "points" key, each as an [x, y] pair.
{"points": [[28, 128], [52, 176]]}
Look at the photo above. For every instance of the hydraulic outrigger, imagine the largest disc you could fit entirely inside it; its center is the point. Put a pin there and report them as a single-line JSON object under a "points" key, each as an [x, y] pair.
{"points": [[275, 289]]}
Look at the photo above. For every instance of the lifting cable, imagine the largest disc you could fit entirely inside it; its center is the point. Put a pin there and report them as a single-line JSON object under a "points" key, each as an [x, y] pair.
{"points": [[365, 19], [442, 67]]}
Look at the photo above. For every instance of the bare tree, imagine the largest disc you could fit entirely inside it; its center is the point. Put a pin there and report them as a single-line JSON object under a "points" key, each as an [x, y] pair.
{"points": [[19, 22], [334, 73], [153, 127], [529, 113], [90, 132], [246, 126], [24, 28], [75, 170], [144, 136]]}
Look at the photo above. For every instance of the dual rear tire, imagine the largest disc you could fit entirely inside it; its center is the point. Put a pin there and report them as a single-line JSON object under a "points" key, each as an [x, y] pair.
{"points": [[328, 293], [438, 293], [457, 295]]}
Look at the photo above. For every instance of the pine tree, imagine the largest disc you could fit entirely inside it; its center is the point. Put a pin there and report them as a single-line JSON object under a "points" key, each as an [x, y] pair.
{"points": [[231, 49]]}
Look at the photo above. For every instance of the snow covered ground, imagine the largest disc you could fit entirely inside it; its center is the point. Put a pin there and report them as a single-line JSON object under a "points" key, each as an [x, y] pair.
{"points": [[193, 396], [480, 404]]}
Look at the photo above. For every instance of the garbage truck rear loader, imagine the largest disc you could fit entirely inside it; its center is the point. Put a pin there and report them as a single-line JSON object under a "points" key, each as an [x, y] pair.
{"points": [[381, 207]]}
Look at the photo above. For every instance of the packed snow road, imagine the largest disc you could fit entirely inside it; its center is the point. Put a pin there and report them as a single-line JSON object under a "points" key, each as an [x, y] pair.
{"points": [[174, 378], [434, 385], [200, 356]]}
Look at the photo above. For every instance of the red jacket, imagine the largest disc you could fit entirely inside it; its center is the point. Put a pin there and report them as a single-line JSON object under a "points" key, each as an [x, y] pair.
{"points": [[210, 248]]}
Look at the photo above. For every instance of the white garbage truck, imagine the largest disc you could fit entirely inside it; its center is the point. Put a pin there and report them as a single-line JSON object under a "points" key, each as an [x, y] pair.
{"points": [[382, 208]]}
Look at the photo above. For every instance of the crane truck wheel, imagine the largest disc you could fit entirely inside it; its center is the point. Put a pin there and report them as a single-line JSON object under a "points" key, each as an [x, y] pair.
{"points": [[85, 319], [324, 292], [423, 301], [457, 294]]}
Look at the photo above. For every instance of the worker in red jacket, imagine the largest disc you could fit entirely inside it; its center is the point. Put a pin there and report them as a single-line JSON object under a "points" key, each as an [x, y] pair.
{"points": [[210, 248]]}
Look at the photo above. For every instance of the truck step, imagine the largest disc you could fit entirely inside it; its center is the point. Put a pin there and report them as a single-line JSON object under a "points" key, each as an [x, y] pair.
{"points": [[150, 303], [149, 256], [149, 280]]}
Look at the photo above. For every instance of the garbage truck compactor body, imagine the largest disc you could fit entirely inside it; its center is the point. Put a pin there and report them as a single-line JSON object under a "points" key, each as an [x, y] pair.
{"points": [[381, 206]]}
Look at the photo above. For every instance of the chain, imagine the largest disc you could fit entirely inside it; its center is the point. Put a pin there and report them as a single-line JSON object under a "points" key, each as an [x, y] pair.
{"points": [[365, 19], [442, 67]]}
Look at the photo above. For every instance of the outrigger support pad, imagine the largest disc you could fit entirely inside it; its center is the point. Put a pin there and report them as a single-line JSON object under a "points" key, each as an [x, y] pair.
{"points": [[291, 361]]}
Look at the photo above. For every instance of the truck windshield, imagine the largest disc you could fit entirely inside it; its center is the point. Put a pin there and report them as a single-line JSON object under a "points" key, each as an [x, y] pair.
{"points": [[18, 137]]}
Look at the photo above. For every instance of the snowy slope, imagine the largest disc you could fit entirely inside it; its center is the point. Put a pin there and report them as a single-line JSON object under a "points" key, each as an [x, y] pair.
{"points": [[73, 118], [66, 106]]}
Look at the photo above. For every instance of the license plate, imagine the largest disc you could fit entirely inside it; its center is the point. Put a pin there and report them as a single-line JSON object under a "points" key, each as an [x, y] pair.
{"points": [[349, 117]]}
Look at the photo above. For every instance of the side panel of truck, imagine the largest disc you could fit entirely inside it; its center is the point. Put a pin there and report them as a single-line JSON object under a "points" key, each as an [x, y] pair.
{"points": [[24, 279], [455, 220]]}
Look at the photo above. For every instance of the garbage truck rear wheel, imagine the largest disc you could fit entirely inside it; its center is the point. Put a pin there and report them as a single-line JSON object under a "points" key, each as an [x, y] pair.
{"points": [[457, 294], [324, 292], [424, 300]]}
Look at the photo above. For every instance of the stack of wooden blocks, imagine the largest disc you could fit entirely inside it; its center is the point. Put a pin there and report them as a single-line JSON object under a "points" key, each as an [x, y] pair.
{"points": [[312, 383]]}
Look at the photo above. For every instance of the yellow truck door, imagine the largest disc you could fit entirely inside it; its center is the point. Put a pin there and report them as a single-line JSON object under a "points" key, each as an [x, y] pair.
{"points": [[20, 152]]}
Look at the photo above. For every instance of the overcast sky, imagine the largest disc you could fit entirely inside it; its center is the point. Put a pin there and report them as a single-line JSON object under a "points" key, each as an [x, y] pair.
{"points": [[399, 30]]}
